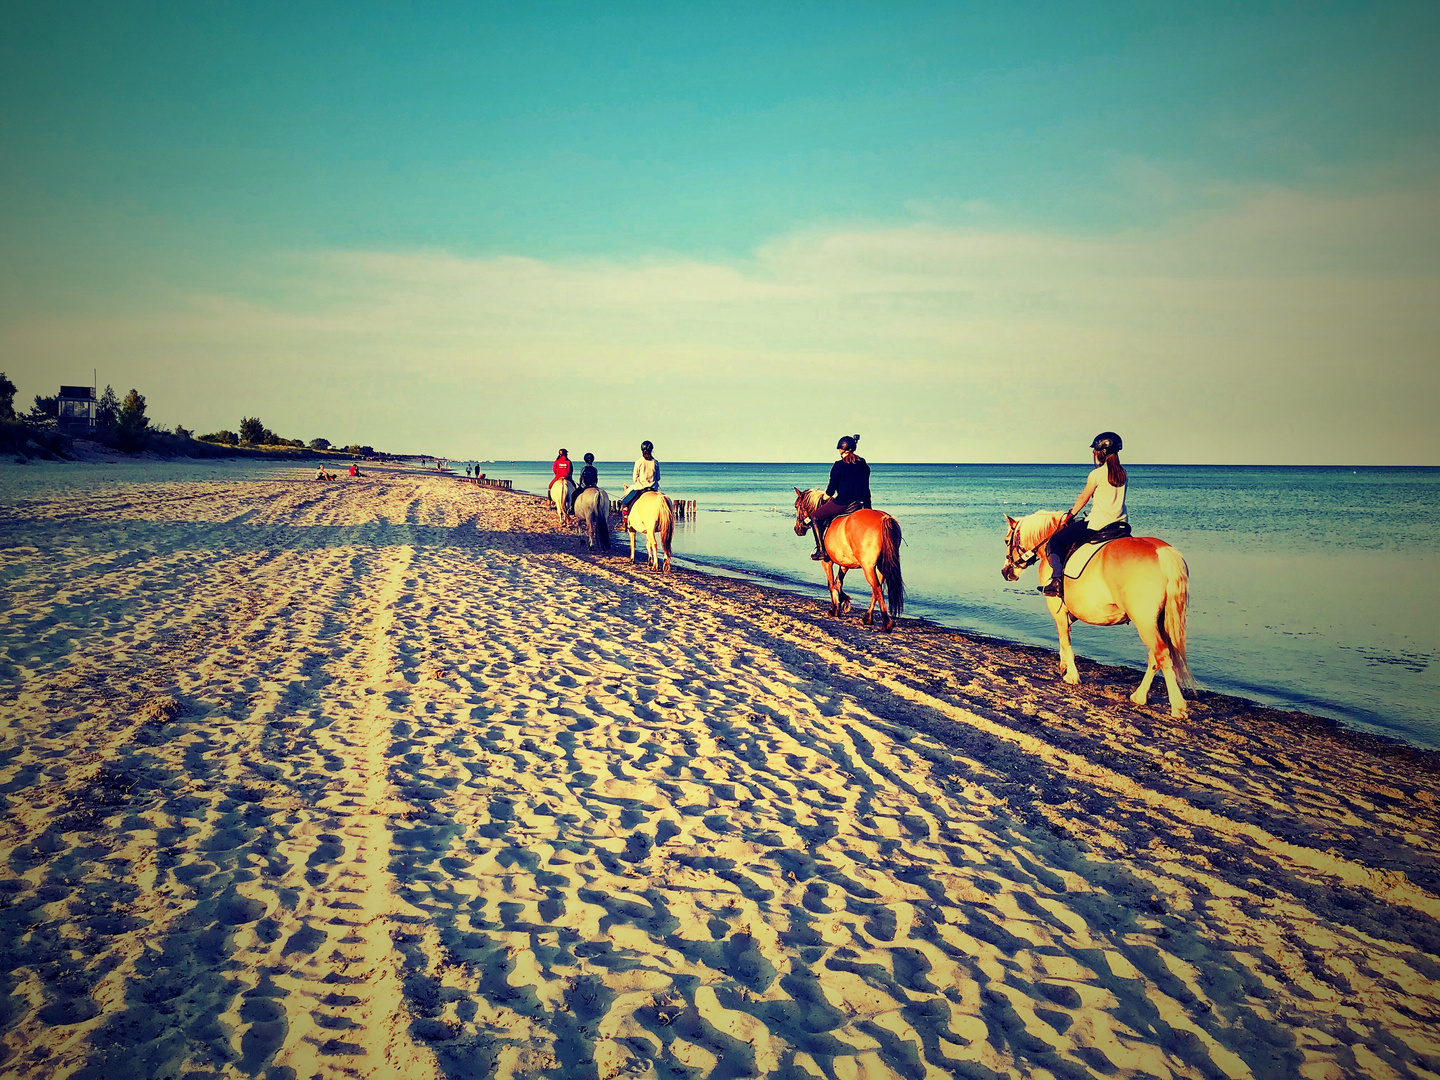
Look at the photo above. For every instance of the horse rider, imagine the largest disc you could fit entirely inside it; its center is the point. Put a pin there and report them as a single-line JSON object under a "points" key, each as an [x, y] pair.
{"points": [[848, 490], [1106, 484], [562, 468], [644, 477], [588, 476]]}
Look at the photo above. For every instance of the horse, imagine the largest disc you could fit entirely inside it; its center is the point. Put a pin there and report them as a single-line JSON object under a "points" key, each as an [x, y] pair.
{"points": [[562, 493], [866, 539], [592, 507], [653, 515], [1137, 579]]}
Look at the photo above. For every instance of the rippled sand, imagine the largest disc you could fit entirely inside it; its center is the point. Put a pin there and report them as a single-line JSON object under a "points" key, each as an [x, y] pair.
{"points": [[391, 778]]}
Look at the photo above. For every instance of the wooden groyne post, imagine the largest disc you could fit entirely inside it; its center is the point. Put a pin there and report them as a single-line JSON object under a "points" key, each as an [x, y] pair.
{"points": [[684, 508]]}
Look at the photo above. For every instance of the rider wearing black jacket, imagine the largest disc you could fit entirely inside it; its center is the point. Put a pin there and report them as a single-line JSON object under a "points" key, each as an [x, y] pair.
{"points": [[848, 490]]}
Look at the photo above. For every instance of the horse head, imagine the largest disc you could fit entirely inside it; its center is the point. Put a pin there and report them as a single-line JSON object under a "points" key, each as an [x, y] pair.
{"points": [[804, 505], [1017, 558]]}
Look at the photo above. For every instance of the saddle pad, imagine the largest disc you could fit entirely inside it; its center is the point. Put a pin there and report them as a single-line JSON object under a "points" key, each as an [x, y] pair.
{"points": [[1081, 556]]}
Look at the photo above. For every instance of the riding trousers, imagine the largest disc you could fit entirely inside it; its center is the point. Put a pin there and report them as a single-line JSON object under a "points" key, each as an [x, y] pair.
{"points": [[1069, 537]]}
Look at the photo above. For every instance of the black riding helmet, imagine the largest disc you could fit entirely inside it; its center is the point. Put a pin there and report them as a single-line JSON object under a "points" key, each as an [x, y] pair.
{"points": [[647, 447], [1107, 442], [589, 459], [848, 442]]}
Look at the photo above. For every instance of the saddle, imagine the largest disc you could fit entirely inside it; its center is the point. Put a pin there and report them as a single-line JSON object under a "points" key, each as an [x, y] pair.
{"points": [[1078, 559]]}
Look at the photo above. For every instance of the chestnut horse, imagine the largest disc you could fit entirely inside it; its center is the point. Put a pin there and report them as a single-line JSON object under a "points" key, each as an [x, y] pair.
{"points": [[866, 539], [1135, 579]]}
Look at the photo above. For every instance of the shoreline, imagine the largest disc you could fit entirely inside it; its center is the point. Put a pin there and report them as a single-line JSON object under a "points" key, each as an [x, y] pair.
{"points": [[393, 778]]}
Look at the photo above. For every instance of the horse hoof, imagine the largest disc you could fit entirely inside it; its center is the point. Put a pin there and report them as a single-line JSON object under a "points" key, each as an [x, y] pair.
{"points": [[1073, 680], [887, 626], [1137, 699], [1180, 714], [866, 619]]}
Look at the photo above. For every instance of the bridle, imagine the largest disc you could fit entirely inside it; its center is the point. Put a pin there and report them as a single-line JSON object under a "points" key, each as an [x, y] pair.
{"points": [[1016, 557]]}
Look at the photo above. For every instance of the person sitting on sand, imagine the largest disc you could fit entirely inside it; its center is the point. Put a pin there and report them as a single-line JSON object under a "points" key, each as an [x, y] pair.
{"points": [[644, 477], [354, 469], [588, 476], [1106, 483], [849, 489]]}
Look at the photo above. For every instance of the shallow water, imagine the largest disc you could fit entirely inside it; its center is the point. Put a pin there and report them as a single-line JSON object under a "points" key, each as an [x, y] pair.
{"points": [[1311, 588]]}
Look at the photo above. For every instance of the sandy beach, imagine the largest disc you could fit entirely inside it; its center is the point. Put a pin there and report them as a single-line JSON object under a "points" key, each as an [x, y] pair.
{"points": [[391, 778]]}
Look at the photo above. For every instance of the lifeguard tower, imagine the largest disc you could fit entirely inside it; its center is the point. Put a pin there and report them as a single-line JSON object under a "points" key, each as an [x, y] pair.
{"points": [[76, 410]]}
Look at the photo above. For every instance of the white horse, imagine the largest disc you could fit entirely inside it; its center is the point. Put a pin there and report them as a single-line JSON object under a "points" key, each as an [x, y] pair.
{"points": [[653, 515], [562, 494], [592, 507], [1135, 579]]}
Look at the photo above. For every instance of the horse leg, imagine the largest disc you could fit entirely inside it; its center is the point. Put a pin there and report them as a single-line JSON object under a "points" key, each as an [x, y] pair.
{"points": [[1142, 692], [632, 547], [1149, 631], [873, 580], [1062, 627], [834, 589]]}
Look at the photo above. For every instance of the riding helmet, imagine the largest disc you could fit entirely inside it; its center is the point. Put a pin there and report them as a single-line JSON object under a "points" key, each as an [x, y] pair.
{"points": [[589, 459], [563, 451], [646, 446], [848, 442], [1107, 442]]}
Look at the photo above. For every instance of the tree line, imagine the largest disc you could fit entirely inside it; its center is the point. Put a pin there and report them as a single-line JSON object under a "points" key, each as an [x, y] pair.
{"points": [[123, 423]]}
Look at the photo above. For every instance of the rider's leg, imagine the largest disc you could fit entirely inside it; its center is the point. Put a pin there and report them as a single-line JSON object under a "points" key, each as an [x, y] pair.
{"points": [[1058, 549], [819, 522]]}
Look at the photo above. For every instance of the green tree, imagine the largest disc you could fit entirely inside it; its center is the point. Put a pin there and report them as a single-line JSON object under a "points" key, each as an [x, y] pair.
{"points": [[131, 418], [44, 409], [252, 430], [315, 444], [228, 438], [7, 397], [108, 409]]}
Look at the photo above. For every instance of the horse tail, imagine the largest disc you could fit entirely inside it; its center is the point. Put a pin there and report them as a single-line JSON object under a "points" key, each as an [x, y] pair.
{"points": [[1171, 619], [665, 525], [601, 513], [889, 565]]}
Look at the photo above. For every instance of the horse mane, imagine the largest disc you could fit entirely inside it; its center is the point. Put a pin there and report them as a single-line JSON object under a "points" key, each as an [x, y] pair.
{"points": [[1038, 527], [812, 498]]}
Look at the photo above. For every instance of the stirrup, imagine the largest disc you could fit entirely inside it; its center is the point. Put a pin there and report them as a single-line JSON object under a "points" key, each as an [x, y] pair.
{"points": [[1053, 587]]}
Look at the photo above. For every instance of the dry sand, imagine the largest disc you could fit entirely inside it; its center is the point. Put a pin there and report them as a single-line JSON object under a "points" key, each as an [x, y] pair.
{"points": [[390, 778]]}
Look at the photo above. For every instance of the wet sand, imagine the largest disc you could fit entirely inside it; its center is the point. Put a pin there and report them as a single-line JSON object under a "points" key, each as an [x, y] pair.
{"points": [[392, 778]]}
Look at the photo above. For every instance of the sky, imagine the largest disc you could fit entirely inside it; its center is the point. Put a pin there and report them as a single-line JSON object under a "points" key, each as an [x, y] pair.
{"points": [[970, 233]]}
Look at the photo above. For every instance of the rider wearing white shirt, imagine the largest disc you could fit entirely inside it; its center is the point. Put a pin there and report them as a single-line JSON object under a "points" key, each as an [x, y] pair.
{"points": [[644, 477], [1106, 485]]}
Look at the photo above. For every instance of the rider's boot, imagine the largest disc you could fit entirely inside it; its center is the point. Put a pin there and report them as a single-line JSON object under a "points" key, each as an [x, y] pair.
{"points": [[819, 554], [1056, 585]]}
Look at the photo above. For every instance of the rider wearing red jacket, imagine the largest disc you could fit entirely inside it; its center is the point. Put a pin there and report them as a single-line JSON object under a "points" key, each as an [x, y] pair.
{"points": [[563, 466]]}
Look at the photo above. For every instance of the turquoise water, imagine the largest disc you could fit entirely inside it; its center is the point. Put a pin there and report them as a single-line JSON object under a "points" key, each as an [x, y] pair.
{"points": [[1311, 588]]}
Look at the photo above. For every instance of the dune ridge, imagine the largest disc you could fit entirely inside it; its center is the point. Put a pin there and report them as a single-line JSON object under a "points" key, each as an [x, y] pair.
{"points": [[392, 779]]}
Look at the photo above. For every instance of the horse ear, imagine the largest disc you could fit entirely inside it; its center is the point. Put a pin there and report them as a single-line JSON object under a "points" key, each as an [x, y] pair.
{"points": [[799, 492], [1009, 520]]}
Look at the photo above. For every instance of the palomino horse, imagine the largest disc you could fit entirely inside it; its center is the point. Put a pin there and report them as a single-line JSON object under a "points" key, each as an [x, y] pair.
{"points": [[592, 507], [562, 493], [1135, 579], [653, 515], [866, 538]]}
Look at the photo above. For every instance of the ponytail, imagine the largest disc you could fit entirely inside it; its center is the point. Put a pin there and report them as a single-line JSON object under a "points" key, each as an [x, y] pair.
{"points": [[1114, 470]]}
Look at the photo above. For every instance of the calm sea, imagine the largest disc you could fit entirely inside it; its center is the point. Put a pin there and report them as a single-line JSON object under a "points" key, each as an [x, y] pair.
{"points": [[1311, 588]]}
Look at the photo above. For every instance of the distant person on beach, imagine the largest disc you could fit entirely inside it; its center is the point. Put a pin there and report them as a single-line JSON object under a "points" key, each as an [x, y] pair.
{"points": [[1106, 483], [849, 489], [354, 470], [644, 477], [588, 476]]}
